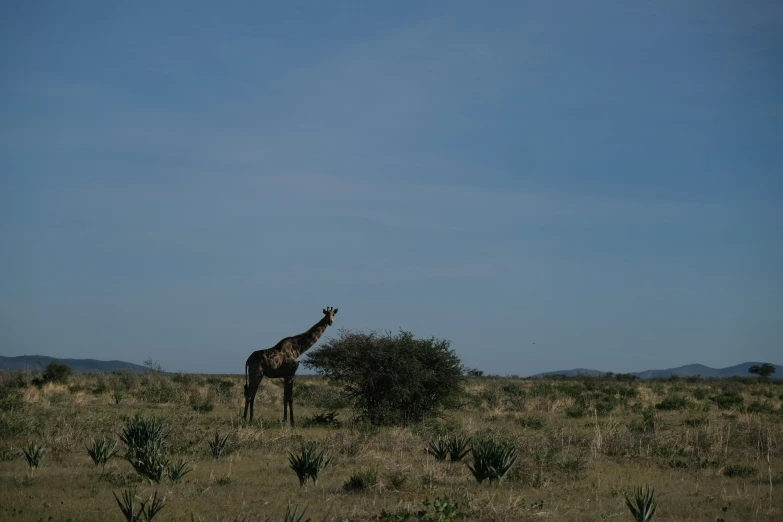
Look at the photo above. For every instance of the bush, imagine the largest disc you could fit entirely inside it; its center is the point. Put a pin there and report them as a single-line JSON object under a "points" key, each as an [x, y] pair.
{"points": [[673, 402], [699, 393], [57, 372], [533, 422], [11, 400], [761, 407], [361, 480], [739, 470], [391, 380], [728, 400]]}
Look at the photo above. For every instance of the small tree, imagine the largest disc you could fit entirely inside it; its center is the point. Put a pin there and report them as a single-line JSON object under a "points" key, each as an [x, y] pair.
{"points": [[57, 372], [153, 366], [763, 370], [391, 380]]}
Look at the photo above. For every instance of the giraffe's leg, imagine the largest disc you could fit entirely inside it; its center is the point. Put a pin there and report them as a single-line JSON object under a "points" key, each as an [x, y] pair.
{"points": [[285, 400], [288, 403], [250, 393]]}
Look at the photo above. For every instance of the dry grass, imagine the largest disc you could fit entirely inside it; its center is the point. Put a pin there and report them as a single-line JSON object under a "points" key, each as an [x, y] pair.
{"points": [[580, 444]]}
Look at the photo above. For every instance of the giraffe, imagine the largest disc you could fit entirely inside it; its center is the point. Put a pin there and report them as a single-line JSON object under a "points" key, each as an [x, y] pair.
{"points": [[282, 361]]}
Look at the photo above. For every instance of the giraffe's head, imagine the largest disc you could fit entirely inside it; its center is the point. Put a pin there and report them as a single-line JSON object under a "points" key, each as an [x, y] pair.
{"points": [[329, 312]]}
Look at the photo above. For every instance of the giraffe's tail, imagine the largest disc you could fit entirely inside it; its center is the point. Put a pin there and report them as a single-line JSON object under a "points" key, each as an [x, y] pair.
{"points": [[245, 378]]}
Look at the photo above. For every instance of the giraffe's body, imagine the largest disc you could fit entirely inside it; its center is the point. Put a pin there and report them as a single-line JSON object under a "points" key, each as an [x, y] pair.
{"points": [[282, 361]]}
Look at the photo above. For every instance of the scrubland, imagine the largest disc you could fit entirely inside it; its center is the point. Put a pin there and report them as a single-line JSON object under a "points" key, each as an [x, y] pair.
{"points": [[711, 449]]}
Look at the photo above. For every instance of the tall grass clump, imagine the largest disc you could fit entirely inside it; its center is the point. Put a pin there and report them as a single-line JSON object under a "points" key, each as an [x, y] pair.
{"points": [[491, 460], [309, 463]]}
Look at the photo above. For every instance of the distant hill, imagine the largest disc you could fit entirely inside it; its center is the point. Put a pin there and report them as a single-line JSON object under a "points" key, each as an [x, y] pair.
{"points": [[739, 370], [31, 362], [572, 373]]}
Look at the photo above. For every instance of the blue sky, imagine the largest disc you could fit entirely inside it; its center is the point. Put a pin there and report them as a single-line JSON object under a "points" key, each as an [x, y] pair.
{"points": [[190, 182]]}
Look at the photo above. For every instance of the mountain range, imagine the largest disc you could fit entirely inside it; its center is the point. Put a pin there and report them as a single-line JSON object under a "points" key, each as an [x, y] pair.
{"points": [[739, 370], [35, 362]]}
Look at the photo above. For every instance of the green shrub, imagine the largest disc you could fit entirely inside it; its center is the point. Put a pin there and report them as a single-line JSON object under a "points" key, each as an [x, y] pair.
{"points": [[57, 372], [739, 470], [572, 466], [361, 480], [323, 419], [203, 406], [397, 479], [438, 510], [575, 411], [12, 425], [728, 400], [673, 402], [532, 421], [695, 422], [604, 404], [390, 379], [649, 419], [699, 393], [761, 407], [11, 400]]}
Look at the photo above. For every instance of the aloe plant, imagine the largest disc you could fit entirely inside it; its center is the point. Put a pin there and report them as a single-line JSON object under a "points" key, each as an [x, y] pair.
{"points": [[439, 450], [145, 440], [127, 504], [291, 516], [218, 445], [309, 463], [643, 507], [147, 511], [458, 447], [101, 451], [491, 460], [177, 471], [33, 454]]}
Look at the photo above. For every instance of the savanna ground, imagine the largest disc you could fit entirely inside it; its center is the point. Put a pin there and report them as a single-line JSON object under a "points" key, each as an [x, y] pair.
{"points": [[710, 448]]}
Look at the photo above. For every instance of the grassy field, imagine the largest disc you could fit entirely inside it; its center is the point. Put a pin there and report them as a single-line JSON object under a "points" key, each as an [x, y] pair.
{"points": [[710, 448]]}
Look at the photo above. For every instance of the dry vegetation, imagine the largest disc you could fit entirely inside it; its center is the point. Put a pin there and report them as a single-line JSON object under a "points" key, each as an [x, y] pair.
{"points": [[710, 448]]}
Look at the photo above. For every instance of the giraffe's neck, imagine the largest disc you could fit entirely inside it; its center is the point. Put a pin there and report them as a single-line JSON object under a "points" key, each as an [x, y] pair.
{"points": [[303, 342]]}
